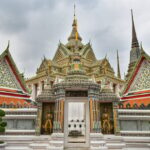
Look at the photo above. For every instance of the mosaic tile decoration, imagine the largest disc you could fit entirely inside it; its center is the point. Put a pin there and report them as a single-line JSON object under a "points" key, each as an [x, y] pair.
{"points": [[7, 78], [142, 80]]}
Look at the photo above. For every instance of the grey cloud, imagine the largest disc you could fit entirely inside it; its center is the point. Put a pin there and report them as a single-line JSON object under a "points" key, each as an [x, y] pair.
{"points": [[36, 26]]}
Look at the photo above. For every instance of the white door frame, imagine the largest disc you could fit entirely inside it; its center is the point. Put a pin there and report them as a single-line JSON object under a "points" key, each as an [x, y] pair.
{"points": [[87, 122]]}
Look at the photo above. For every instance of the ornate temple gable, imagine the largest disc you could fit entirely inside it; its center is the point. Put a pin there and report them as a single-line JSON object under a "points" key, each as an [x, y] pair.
{"points": [[7, 78], [105, 67], [102, 67], [61, 53], [44, 65], [9, 74], [140, 77], [87, 53]]}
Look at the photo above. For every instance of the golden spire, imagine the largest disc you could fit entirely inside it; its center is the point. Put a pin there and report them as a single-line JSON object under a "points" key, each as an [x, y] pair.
{"points": [[74, 34]]}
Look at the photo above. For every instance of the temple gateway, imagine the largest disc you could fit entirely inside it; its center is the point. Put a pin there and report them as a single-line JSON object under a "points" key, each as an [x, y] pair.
{"points": [[77, 95]]}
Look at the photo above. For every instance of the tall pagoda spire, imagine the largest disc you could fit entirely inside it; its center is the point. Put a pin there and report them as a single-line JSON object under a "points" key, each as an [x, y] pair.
{"points": [[118, 66], [74, 34], [135, 52], [135, 42]]}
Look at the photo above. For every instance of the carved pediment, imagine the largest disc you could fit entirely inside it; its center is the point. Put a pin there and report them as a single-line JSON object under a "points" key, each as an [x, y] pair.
{"points": [[88, 53], [142, 78], [61, 53], [105, 67], [44, 65], [7, 78]]}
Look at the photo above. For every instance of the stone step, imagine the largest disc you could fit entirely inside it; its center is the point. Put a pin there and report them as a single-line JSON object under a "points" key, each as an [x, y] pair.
{"points": [[77, 148], [113, 139], [17, 148], [56, 143], [116, 145], [97, 143], [98, 148], [55, 148], [135, 149], [18, 143], [38, 146]]}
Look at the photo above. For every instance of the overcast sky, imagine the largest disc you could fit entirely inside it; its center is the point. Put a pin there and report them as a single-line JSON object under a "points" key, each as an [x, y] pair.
{"points": [[34, 28]]}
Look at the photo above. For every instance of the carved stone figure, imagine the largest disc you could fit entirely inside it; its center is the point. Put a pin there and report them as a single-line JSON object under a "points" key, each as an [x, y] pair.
{"points": [[106, 126], [48, 126]]}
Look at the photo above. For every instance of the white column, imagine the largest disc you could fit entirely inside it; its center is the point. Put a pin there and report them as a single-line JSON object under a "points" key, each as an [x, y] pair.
{"points": [[33, 92], [111, 86], [117, 90], [40, 88]]}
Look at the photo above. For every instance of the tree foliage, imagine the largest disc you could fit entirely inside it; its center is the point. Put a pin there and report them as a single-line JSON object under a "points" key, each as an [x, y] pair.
{"points": [[2, 123]]}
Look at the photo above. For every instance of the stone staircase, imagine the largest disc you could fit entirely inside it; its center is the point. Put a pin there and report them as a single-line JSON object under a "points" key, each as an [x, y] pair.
{"points": [[27, 143], [114, 142], [97, 142], [56, 142]]}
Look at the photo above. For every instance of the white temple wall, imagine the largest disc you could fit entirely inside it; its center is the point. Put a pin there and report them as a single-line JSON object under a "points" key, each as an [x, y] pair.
{"points": [[23, 119], [133, 121]]}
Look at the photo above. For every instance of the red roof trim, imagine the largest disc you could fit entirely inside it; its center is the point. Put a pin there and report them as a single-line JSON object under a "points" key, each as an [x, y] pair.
{"points": [[138, 96], [12, 94]]}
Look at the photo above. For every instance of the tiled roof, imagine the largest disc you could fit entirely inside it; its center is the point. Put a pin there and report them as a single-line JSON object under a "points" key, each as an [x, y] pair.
{"points": [[19, 79], [136, 103], [14, 98], [14, 101]]}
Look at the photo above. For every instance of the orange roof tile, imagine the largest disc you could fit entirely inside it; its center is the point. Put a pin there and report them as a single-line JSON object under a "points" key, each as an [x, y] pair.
{"points": [[145, 101], [8, 90], [15, 101]]}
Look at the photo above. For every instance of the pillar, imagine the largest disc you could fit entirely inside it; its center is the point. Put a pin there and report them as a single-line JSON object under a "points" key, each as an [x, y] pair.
{"points": [[33, 92], [40, 88], [117, 90], [116, 120], [59, 116], [39, 118], [94, 116]]}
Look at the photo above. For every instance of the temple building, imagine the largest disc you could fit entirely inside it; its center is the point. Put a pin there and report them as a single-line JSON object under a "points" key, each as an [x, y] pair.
{"points": [[78, 96], [59, 66], [13, 91], [136, 93], [14, 97], [80, 102]]}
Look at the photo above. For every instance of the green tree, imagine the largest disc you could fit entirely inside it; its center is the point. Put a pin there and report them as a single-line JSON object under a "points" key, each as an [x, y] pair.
{"points": [[2, 123]]}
